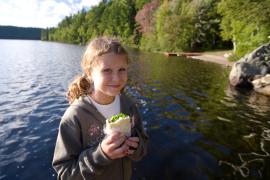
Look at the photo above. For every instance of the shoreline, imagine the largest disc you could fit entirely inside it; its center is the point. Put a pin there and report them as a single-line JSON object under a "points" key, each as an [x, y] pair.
{"points": [[219, 59]]}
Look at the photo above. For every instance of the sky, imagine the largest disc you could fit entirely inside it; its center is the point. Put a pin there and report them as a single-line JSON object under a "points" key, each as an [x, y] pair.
{"points": [[39, 13]]}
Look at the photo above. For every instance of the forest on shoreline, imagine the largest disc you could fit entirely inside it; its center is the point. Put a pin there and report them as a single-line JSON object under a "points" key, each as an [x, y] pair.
{"points": [[171, 25], [13, 32]]}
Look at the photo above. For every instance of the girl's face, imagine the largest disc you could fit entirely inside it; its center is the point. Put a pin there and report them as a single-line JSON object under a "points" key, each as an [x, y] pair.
{"points": [[109, 76]]}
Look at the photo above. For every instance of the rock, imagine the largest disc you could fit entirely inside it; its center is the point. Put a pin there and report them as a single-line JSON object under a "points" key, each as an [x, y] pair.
{"points": [[262, 85], [227, 55], [254, 64]]}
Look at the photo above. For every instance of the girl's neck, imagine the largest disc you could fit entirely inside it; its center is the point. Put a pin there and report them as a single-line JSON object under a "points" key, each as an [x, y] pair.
{"points": [[102, 99]]}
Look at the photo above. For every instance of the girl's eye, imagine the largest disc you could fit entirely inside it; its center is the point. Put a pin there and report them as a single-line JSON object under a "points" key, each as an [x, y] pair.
{"points": [[122, 69], [107, 70]]}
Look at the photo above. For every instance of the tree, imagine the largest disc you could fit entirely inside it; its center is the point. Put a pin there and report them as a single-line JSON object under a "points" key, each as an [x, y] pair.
{"points": [[188, 25], [145, 33], [245, 22], [118, 20], [140, 3], [93, 19]]}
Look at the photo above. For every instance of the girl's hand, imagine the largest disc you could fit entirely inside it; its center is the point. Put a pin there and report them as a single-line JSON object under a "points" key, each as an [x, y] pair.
{"points": [[114, 145], [132, 143]]}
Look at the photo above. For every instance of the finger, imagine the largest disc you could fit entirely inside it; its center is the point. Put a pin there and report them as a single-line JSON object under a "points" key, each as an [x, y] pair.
{"points": [[121, 151], [130, 151], [135, 139], [118, 142], [132, 143]]}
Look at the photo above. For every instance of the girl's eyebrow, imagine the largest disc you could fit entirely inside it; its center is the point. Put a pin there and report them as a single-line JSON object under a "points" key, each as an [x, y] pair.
{"points": [[105, 69]]}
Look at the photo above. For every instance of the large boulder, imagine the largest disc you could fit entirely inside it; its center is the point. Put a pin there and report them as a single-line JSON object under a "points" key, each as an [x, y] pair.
{"points": [[257, 63], [262, 84]]}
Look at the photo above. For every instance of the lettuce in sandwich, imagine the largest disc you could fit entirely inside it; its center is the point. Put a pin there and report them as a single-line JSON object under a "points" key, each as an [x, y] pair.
{"points": [[119, 123]]}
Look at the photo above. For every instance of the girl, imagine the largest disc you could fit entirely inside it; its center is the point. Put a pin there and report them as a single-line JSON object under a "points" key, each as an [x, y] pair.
{"points": [[82, 150]]}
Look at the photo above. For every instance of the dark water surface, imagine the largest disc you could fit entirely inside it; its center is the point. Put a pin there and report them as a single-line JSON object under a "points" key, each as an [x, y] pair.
{"points": [[199, 127]]}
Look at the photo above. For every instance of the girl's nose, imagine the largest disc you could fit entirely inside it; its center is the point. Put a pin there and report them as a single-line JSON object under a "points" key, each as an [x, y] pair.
{"points": [[115, 77]]}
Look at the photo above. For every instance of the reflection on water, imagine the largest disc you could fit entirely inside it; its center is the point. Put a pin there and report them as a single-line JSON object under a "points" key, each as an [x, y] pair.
{"points": [[197, 122], [252, 161], [256, 161], [199, 127]]}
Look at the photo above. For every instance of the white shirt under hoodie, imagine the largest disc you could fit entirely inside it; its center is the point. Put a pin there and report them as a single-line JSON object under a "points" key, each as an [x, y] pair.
{"points": [[108, 110]]}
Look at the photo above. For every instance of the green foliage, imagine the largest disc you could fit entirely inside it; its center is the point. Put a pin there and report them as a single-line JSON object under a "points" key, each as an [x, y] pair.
{"points": [[139, 3], [93, 19], [109, 18], [188, 25], [172, 25], [118, 20], [45, 34], [72, 29], [246, 23], [149, 42]]}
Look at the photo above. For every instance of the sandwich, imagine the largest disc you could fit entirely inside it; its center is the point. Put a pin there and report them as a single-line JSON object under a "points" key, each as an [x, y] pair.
{"points": [[118, 123]]}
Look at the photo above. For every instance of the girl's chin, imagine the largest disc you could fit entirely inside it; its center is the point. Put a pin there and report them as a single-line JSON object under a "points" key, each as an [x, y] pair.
{"points": [[113, 93]]}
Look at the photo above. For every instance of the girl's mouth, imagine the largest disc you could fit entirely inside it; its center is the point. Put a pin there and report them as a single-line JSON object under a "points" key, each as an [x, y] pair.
{"points": [[114, 86]]}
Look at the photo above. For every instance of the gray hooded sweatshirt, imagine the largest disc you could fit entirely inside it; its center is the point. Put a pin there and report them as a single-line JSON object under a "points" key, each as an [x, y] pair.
{"points": [[78, 154]]}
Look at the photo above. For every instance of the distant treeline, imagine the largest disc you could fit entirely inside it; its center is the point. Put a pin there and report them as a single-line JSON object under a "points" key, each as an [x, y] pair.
{"points": [[171, 25], [13, 32]]}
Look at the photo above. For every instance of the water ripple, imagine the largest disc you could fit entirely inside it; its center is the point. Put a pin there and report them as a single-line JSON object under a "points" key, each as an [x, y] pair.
{"points": [[195, 120]]}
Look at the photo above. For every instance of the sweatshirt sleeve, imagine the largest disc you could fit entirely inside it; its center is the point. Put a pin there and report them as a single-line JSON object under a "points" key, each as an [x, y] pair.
{"points": [[138, 130], [70, 160]]}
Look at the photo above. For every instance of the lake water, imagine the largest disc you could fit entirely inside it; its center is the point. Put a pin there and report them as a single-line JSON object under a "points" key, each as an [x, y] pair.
{"points": [[199, 127]]}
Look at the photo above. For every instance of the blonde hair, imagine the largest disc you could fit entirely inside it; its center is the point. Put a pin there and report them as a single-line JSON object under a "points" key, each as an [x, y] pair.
{"points": [[83, 84]]}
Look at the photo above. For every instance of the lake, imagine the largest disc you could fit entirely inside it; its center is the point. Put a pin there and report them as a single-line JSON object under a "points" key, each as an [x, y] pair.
{"points": [[199, 126]]}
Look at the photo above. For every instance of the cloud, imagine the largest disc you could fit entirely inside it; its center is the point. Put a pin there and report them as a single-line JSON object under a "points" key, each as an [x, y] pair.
{"points": [[39, 13]]}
